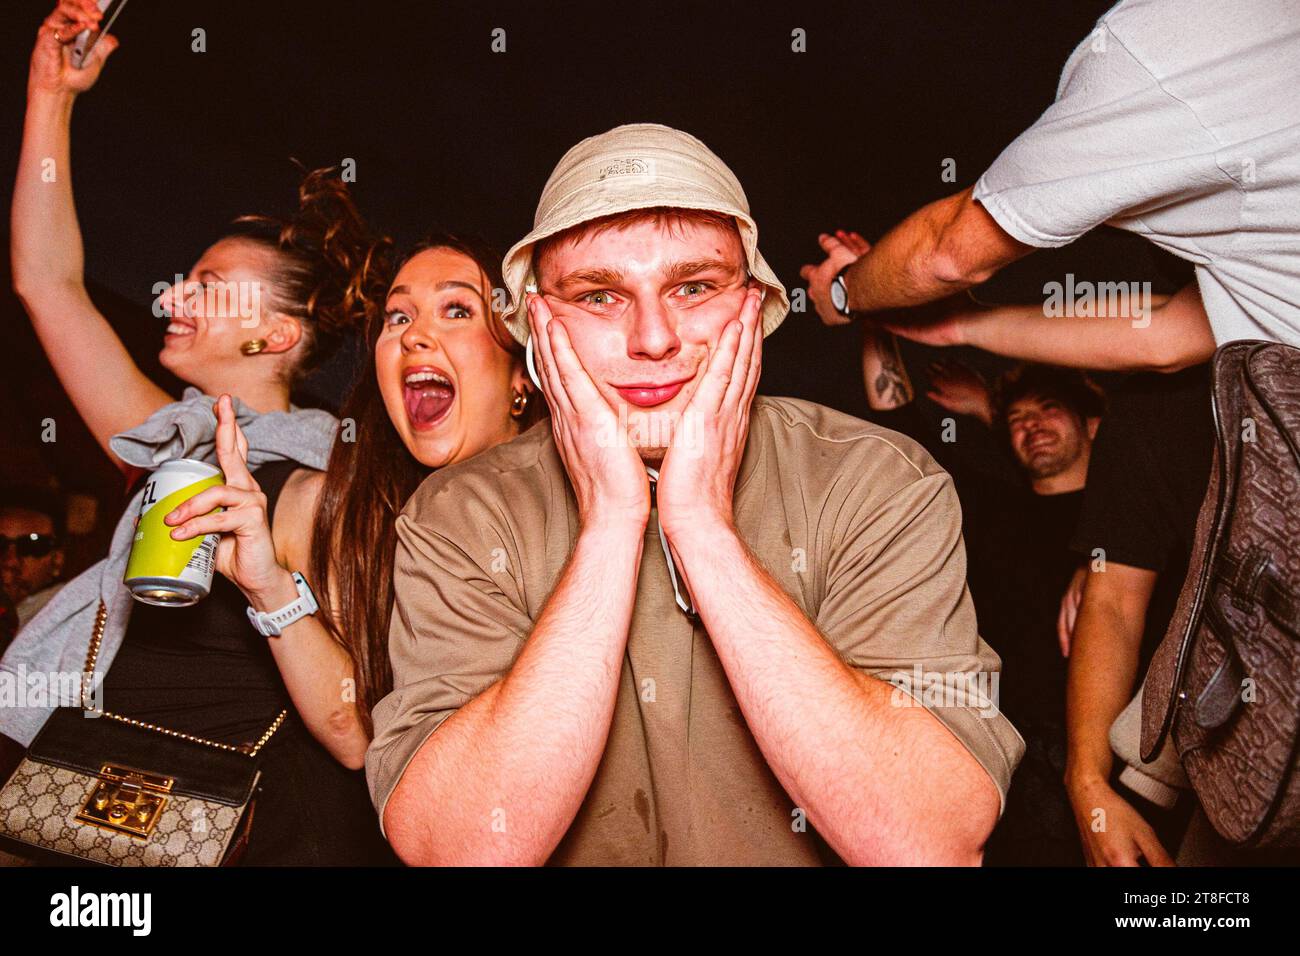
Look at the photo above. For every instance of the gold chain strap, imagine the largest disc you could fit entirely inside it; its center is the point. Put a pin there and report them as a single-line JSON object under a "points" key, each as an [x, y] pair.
{"points": [[92, 654]]}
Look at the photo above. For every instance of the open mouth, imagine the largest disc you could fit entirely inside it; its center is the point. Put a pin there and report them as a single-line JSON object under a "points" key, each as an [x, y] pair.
{"points": [[177, 329], [428, 395]]}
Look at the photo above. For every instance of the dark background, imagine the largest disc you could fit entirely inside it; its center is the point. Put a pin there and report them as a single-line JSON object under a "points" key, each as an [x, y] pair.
{"points": [[172, 144]]}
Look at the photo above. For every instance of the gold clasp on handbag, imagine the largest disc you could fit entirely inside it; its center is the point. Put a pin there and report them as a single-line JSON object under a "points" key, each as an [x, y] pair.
{"points": [[126, 801]]}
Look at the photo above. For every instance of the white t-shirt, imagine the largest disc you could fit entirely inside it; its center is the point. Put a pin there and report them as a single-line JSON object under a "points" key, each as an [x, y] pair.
{"points": [[1178, 120]]}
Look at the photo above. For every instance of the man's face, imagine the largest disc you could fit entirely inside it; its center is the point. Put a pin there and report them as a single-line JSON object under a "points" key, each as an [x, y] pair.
{"points": [[1046, 436], [23, 575], [644, 305]]}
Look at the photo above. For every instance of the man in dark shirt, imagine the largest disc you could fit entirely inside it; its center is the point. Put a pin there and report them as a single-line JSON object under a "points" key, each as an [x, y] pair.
{"points": [[1150, 467], [1019, 562]]}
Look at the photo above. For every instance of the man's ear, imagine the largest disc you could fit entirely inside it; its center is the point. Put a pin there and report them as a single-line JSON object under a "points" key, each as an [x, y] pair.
{"points": [[58, 563], [1093, 424]]}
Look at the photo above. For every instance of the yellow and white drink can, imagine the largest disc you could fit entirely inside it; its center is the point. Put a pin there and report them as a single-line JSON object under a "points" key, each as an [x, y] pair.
{"points": [[162, 570]]}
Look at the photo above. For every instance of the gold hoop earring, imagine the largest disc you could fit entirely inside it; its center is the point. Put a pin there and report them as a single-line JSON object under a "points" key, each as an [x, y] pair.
{"points": [[253, 346], [519, 405]]}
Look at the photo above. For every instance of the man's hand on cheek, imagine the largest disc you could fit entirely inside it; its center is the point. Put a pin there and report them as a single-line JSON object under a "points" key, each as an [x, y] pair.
{"points": [[698, 475], [607, 475]]}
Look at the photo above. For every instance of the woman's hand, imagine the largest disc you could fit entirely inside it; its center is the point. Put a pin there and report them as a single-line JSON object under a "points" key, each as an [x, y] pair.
{"points": [[246, 552], [51, 68]]}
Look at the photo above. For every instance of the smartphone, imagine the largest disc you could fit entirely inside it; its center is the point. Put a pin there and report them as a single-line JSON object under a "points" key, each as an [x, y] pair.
{"points": [[86, 39]]}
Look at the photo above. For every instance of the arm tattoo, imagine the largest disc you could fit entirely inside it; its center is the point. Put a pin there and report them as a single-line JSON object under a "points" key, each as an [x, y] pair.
{"points": [[892, 384]]}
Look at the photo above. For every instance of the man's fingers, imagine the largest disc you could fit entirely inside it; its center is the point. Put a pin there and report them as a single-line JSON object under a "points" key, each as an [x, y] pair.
{"points": [[578, 385], [749, 354], [1152, 850], [829, 243], [717, 375], [539, 320]]}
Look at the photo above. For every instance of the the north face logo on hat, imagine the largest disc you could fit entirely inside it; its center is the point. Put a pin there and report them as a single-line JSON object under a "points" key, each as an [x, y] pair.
{"points": [[627, 167]]}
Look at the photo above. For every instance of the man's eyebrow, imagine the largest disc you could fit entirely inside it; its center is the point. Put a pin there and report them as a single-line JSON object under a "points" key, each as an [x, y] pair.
{"points": [[684, 270], [676, 273], [601, 277]]}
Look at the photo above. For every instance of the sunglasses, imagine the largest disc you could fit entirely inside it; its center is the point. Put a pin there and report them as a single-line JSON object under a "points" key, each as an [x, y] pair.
{"points": [[29, 545]]}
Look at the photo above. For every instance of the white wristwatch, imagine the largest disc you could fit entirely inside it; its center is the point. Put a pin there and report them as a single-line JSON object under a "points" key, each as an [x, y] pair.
{"points": [[273, 623]]}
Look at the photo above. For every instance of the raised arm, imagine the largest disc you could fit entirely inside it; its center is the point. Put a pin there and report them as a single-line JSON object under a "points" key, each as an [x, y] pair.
{"points": [[1175, 335], [943, 248], [108, 389]]}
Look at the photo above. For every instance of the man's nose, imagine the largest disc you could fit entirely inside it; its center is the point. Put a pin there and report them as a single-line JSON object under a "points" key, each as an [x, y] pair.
{"points": [[653, 332]]}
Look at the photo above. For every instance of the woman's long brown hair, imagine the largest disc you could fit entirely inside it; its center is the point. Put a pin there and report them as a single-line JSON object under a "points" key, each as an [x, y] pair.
{"points": [[367, 482]]}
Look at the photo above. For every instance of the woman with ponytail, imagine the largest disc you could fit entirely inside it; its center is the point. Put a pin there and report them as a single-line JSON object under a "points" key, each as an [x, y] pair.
{"points": [[445, 380], [262, 307]]}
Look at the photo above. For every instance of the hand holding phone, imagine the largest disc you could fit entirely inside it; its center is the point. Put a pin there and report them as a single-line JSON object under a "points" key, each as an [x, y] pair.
{"points": [[86, 39]]}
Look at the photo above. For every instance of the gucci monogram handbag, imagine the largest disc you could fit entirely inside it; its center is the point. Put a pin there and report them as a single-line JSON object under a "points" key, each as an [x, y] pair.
{"points": [[112, 790]]}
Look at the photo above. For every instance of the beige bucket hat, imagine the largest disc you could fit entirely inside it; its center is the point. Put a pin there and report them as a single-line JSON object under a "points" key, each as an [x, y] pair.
{"points": [[637, 166]]}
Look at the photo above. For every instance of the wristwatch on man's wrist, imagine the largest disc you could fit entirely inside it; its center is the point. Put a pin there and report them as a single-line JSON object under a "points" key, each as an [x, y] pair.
{"points": [[840, 292], [273, 623]]}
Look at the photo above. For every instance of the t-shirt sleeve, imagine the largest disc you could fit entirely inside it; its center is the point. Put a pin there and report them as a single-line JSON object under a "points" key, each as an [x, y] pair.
{"points": [[1126, 512], [1115, 144], [454, 633], [896, 606]]}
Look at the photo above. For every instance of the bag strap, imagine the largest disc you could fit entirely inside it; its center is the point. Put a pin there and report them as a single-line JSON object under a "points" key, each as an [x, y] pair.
{"points": [[92, 655]]}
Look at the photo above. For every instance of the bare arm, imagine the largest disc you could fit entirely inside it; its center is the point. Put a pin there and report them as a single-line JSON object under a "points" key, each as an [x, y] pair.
{"points": [[495, 754], [316, 669], [943, 248], [109, 391], [862, 768], [1175, 335], [1103, 667], [260, 560], [883, 374]]}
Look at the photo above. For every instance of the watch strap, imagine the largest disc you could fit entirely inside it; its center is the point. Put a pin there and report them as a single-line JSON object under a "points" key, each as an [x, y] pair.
{"points": [[273, 623]]}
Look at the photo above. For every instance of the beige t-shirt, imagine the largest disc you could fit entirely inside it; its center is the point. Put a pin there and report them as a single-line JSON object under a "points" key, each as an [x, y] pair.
{"points": [[856, 523]]}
